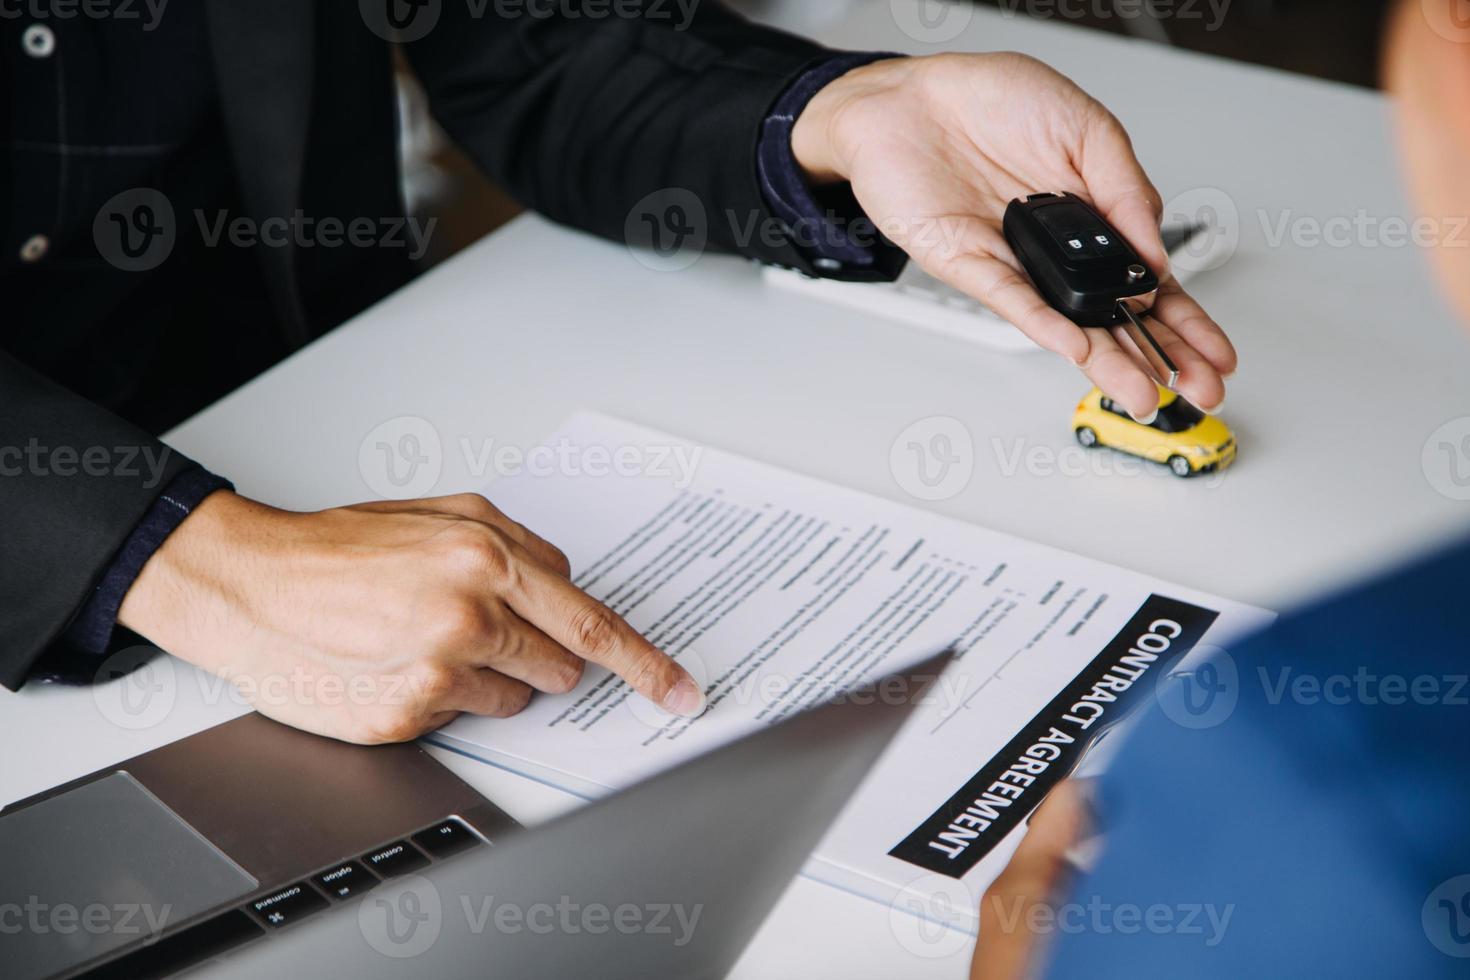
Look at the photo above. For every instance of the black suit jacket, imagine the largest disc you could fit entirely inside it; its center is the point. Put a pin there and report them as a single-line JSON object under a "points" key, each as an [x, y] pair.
{"points": [[580, 118]]}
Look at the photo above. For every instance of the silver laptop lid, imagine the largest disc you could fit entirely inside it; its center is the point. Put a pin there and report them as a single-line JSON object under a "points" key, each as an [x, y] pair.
{"points": [[670, 878]]}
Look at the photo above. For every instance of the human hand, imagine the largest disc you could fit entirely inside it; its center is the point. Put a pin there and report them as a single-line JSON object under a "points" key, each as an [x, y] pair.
{"points": [[936, 147], [380, 622], [1007, 948]]}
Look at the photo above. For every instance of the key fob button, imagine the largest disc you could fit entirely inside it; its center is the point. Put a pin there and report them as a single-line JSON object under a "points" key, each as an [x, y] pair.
{"points": [[1078, 262], [1073, 232]]}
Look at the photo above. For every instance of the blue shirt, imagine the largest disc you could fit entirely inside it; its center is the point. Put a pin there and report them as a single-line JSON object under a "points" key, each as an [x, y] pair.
{"points": [[1301, 807]]}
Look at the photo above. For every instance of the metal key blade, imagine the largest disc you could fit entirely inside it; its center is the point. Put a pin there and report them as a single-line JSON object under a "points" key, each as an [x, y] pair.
{"points": [[1165, 371]]}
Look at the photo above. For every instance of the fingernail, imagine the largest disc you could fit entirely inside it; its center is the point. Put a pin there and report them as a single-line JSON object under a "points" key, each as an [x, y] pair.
{"points": [[1146, 419], [1216, 410], [685, 699]]}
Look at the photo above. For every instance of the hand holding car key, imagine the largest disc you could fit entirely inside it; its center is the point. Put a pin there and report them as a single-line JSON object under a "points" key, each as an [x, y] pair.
{"points": [[1088, 272], [961, 137]]}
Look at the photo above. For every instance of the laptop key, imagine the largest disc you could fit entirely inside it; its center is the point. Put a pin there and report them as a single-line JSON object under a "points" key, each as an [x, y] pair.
{"points": [[345, 880], [176, 951], [444, 839], [397, 858], [281, 908]]}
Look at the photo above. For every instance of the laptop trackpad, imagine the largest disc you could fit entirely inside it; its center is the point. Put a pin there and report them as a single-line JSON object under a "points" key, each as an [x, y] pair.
{"points": [[99, 867]]}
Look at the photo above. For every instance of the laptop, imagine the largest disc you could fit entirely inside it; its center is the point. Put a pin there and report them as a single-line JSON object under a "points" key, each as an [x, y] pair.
{"points": [[253, 849]]}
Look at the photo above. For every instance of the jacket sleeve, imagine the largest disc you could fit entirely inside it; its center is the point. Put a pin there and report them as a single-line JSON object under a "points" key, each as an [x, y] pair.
{"points": [[74, 482], [608, 122]]}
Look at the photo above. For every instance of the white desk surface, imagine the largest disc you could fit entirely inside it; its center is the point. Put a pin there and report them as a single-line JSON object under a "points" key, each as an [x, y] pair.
{"points": [[1349, 362]]}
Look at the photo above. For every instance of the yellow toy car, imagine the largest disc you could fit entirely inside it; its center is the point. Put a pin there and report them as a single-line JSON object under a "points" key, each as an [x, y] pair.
{"points": [[1182, 437]]}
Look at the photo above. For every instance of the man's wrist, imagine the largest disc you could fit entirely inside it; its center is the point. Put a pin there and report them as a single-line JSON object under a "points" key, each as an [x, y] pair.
{"points": [[184, 572], [815, 135], [92, 629], [826, 224]]}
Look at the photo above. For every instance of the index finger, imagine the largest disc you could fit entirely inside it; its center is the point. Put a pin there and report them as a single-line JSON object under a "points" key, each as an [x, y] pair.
{"points": [[1120, 188], [1131, 203], [595, 633], [1195, 327], [1011, 296]]}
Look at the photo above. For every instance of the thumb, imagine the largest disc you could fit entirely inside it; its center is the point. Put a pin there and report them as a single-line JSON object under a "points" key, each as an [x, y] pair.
{"points": [[1040, 862], [1007, 948]]}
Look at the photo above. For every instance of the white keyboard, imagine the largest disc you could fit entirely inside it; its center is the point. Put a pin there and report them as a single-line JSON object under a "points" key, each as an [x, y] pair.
{"points": [[917, 299]]}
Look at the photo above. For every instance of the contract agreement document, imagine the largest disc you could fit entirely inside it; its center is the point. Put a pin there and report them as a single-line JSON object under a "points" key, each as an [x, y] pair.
{"points": [[777, 591]]}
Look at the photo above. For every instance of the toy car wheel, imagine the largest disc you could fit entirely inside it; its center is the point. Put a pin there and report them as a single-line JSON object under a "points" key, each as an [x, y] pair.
{"points": [[1087, 437], [1180, 466]]}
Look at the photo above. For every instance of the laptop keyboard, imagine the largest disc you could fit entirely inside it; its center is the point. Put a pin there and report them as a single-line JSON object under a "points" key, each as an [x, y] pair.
{"points": [[283, 907]]}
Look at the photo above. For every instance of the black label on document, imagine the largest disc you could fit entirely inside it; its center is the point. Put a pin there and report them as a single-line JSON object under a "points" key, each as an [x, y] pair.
{"points": [[1013, 783]]}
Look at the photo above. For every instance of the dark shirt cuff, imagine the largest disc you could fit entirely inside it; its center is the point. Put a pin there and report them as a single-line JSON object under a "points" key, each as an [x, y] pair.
{"points": [[91, 631], [833, 232]]}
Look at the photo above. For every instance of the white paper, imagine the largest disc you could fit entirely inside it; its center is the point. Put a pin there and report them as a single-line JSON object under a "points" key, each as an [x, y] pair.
{"points": [[778, 591]]}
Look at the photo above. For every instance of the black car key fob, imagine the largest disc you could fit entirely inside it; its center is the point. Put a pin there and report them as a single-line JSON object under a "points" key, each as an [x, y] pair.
{"points": [[1086, 270]]}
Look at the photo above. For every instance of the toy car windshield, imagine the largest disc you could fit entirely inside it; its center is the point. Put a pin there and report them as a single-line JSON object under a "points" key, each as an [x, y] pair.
{"points": [[1178, 416]]}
